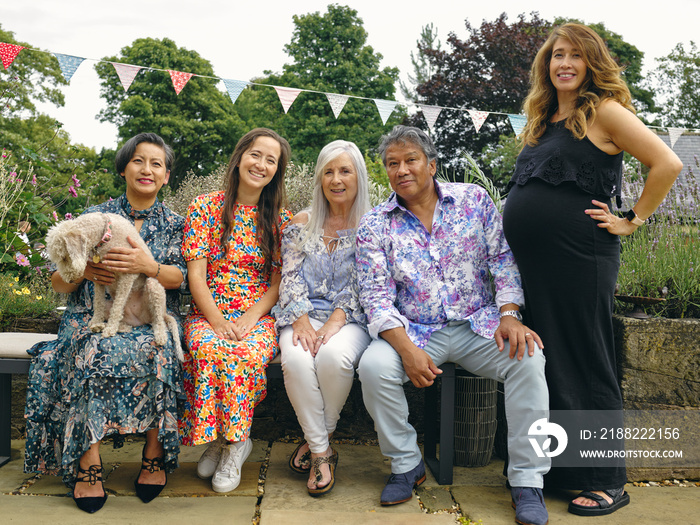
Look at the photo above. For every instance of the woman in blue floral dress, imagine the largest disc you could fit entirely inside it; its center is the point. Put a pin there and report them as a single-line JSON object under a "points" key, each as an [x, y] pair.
{"points": [[84, 388]]}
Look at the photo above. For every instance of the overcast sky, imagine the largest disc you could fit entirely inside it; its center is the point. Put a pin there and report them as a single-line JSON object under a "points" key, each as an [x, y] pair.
{"points": [[243, 38]]}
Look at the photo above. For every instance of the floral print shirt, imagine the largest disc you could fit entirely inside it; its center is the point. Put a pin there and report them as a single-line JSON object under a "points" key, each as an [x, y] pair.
{"points": [[316, 282], [422, 281]]}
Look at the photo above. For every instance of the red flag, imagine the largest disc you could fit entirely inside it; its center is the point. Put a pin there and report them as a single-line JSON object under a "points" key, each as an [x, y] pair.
{"points": [[179, 79], [9, 52]]}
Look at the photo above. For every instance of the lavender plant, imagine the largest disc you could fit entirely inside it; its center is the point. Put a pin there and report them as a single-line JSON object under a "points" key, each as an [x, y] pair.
{"points": [[664, 254]]}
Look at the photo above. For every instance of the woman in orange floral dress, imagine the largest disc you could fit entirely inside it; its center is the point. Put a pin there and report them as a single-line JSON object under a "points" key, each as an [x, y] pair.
{"points": [[232, 248]]}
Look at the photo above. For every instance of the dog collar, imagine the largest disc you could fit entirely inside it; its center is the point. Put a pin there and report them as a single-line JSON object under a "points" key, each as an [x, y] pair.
{"points": [[106, 237]]}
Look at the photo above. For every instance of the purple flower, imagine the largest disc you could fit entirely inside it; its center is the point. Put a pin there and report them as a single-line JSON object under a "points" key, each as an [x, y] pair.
{"points": [[76, 182], [68, 216], [72, 192], [21, 260], [55, 215], [34, 183]]}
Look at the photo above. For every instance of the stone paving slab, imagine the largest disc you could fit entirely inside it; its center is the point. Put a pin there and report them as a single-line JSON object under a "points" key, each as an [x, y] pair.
{"points": [[127, 510], [360, 477], [351, 518], [649, 505], [479, 493]]}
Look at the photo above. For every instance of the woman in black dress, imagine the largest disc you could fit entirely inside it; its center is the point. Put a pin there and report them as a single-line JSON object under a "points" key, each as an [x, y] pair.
{"points": [[558, 223]]}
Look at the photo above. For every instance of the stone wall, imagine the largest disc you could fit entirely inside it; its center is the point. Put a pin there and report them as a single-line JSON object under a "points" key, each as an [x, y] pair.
{"points": [[659, 369]]}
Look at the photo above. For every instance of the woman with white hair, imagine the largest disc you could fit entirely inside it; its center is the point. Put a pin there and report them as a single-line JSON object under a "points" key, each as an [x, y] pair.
{"points": [[322, 327]]}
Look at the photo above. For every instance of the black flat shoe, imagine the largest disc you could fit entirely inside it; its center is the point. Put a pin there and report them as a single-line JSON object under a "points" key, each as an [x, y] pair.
{"points": [[90, 504], [149, 492]]}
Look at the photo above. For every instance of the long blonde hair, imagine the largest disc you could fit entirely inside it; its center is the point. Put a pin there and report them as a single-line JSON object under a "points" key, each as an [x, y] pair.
{"points": [[602, 81]]}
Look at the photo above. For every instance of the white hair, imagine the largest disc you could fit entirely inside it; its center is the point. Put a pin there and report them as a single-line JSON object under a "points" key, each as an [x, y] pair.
{"points": [[320, 208]]}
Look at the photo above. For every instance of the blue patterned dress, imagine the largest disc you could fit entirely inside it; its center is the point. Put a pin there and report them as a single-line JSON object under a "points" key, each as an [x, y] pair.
{"points": [[83, 388]]}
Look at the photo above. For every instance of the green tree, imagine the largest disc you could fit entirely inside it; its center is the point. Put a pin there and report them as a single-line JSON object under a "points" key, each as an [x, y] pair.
{"points": [[677, 79], [423, 69], [39, 151], [330, 55], [489, 71], [34, 76], [200, 123]]}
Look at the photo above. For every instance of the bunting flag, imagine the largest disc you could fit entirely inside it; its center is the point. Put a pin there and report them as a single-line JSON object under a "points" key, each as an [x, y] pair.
{"points": [[8, 52], [337, 102], [478, 118], [673, 134], [287, 96], [234, 88], [385, 107], [179, 78], [431, 114], [517, 122], [127, 73], [69, 64]]}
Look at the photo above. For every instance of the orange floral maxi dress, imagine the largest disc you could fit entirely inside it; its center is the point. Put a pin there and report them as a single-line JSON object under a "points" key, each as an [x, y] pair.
{"points": [[224, 380]]}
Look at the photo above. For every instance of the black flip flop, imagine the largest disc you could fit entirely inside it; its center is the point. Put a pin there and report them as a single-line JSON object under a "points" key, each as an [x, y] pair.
{"points": [[603, 506]]}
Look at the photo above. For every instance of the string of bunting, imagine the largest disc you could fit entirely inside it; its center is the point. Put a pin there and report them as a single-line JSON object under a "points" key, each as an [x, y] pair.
{"points": [[127, 73]]}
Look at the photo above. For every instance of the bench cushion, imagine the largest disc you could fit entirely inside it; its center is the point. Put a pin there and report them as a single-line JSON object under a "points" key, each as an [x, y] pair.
{"points": [[15, 344]]}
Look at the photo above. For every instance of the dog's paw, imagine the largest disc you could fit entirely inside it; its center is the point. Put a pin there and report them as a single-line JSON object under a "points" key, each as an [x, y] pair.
{"points": [[124, 327], [109, 332], [160, 337], [96, 327]]}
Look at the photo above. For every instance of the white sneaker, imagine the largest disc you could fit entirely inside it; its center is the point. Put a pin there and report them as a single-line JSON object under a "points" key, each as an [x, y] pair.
{"points": [[210, 459], [228, 474]]}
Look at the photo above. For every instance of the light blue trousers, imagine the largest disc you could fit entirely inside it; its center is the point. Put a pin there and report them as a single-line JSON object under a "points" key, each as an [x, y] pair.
{"points": [[526, 399]]}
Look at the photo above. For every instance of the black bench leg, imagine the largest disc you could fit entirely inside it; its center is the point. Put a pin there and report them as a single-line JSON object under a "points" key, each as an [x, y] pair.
{"points": [[5, 417], [440, 467]]}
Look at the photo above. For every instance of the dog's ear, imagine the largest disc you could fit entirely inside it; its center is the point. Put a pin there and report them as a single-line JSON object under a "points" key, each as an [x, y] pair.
{"points": [[75, 243]]}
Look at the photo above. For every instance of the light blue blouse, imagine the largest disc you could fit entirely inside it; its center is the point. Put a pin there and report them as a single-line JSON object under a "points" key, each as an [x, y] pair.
{"points": [[316, 281]]}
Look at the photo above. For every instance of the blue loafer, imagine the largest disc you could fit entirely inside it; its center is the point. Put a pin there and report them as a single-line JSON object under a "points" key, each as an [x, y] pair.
{"points": [[529, 506], [400, 487]]}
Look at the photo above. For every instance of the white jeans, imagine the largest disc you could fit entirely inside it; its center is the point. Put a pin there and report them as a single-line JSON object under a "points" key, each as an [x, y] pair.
{"points": [[318, 386]]}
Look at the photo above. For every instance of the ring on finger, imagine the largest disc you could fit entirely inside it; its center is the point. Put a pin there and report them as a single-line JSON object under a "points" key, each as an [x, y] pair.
{"points": [[528, 334]]}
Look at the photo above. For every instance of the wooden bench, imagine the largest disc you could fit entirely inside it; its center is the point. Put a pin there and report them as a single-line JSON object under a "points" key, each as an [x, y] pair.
{"points": [[15, 360]]}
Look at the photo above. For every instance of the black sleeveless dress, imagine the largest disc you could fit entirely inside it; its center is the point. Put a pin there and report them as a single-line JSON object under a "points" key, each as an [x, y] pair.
{"points": [[569, 268]]}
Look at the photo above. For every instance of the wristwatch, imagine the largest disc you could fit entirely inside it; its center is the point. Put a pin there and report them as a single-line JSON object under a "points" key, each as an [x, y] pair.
{"points": [[632, 217], [513, 313]]}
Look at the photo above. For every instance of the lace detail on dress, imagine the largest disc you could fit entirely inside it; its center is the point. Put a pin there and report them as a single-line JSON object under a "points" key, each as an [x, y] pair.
{"points": [[559, 157]]}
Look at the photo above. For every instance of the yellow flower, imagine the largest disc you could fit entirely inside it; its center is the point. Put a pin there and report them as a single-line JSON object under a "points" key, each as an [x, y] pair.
{"points": [[16, 279], [16, 292], [38, 297], [26, 291]]}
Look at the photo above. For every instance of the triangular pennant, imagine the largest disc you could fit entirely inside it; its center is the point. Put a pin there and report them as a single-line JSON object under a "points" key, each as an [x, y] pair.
{"points": [[9, 52], [126, 73], [234, 88], [385, 107], [179, 78], [673, 134], [517, 122], [287, 96], [478, 118], [337, 102], [431, 114], [69, 64]]}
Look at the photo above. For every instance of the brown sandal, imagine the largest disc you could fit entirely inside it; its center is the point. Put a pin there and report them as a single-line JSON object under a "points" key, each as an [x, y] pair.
{"points": [[332, 462], [304, 461]]}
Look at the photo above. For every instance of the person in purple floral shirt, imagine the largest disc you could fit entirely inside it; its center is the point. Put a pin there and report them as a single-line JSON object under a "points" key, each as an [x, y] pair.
{"points": [[427, 260]]}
